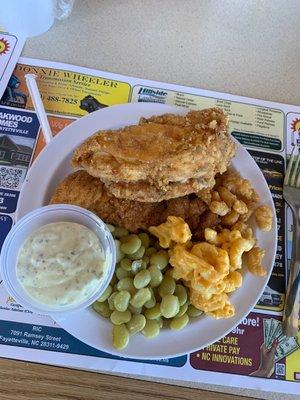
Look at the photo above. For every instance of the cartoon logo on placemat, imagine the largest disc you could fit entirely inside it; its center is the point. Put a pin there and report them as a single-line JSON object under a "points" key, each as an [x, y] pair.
{"points": [[4, 46], [295, 125], [295, 129]]}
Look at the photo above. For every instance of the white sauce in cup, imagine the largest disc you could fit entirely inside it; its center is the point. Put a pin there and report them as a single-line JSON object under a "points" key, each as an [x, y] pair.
{"points": [[61, 264]]}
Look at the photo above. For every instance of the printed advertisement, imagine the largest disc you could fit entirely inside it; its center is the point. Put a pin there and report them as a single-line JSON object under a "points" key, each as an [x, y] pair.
{"points": [[65, 92], [18, 134], [256, 353], [253, 125], [273, 167], [274, 355]]}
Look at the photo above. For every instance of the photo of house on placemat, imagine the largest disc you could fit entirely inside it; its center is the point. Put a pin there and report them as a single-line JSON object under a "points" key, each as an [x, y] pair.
{"points": [[15, 150]]}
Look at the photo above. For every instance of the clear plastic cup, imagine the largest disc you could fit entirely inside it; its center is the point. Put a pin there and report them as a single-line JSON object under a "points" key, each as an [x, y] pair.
{"points": [[34, 220], [32, 17]]}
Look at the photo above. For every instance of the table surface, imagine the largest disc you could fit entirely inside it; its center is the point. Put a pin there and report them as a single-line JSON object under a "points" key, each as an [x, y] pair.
{"points": [[246, 48], [42, 382]]}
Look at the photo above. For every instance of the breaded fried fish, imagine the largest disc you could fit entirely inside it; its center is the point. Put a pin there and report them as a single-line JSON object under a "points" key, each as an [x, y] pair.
{"points": [[161, 158], [83, 190]]}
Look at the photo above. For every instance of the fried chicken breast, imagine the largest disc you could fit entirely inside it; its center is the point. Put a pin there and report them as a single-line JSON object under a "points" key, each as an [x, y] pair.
{"points": [[83, 190], [161, 158], [143, 191]]}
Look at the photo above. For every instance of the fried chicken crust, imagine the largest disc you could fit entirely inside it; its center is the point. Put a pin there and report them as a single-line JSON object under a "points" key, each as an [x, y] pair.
{"points": [[163, 157], [83, 190], [145, 192]]}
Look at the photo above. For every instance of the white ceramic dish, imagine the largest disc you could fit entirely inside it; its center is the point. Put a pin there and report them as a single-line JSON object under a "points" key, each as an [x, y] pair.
{"points": [[53, 164]]}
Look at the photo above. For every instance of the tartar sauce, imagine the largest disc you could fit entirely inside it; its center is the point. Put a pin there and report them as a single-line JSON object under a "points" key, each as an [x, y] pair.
{"points": [[61, 264]]}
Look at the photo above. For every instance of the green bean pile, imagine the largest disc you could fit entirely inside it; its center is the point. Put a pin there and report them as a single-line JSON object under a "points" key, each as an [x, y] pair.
{"points": [[142, 295]]}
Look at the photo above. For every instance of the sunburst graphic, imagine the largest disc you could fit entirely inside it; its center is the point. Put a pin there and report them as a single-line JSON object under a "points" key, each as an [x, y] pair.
{"points": [[4, 46], [295, 125]]}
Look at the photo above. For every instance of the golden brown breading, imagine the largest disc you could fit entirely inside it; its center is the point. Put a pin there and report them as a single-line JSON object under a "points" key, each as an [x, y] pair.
{"points": [[80, 189], [83, 190], [190, 208], [86, 191], [144, 191], [160, 152]]}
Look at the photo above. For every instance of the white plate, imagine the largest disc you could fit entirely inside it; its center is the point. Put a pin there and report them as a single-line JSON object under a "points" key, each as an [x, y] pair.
{"points": [[53, 164]]}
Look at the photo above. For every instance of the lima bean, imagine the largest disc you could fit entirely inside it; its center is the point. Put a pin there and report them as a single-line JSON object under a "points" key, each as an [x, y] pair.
{"points": [[156, 276], [105, 295], [141, 279], [118, 317], [126, 264], [150, 303], [119, 232], [167, 286], [151, 329], [160, 259], [156, 294], [154, 312], [138, 254], [169, 306], [121, 273], [110, 301], [130, 244], [121, 300], [140, 297], [135, 310], [102, 309], [193, 312], [136, 324], [120, 336], [126, 284], [179, 322], [181, 293], [182, 310], [136, 266], [144, 239]]}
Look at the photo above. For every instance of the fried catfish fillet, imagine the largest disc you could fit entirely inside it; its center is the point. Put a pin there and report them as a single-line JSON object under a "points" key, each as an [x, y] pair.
{"points": [[83, 190], [145, 192], [163, 157]]}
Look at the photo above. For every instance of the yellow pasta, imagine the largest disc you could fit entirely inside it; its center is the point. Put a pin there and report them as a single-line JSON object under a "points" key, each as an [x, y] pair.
{"points": [[240, 207], [210, 269], [215, 302], [226, 196], [231, 218], [253, 259], [203, 267], [264, 218], [226, 311], [233, 281], [174, 230], [219, 208], [183, 262], [237, 249], [215, 256]]}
